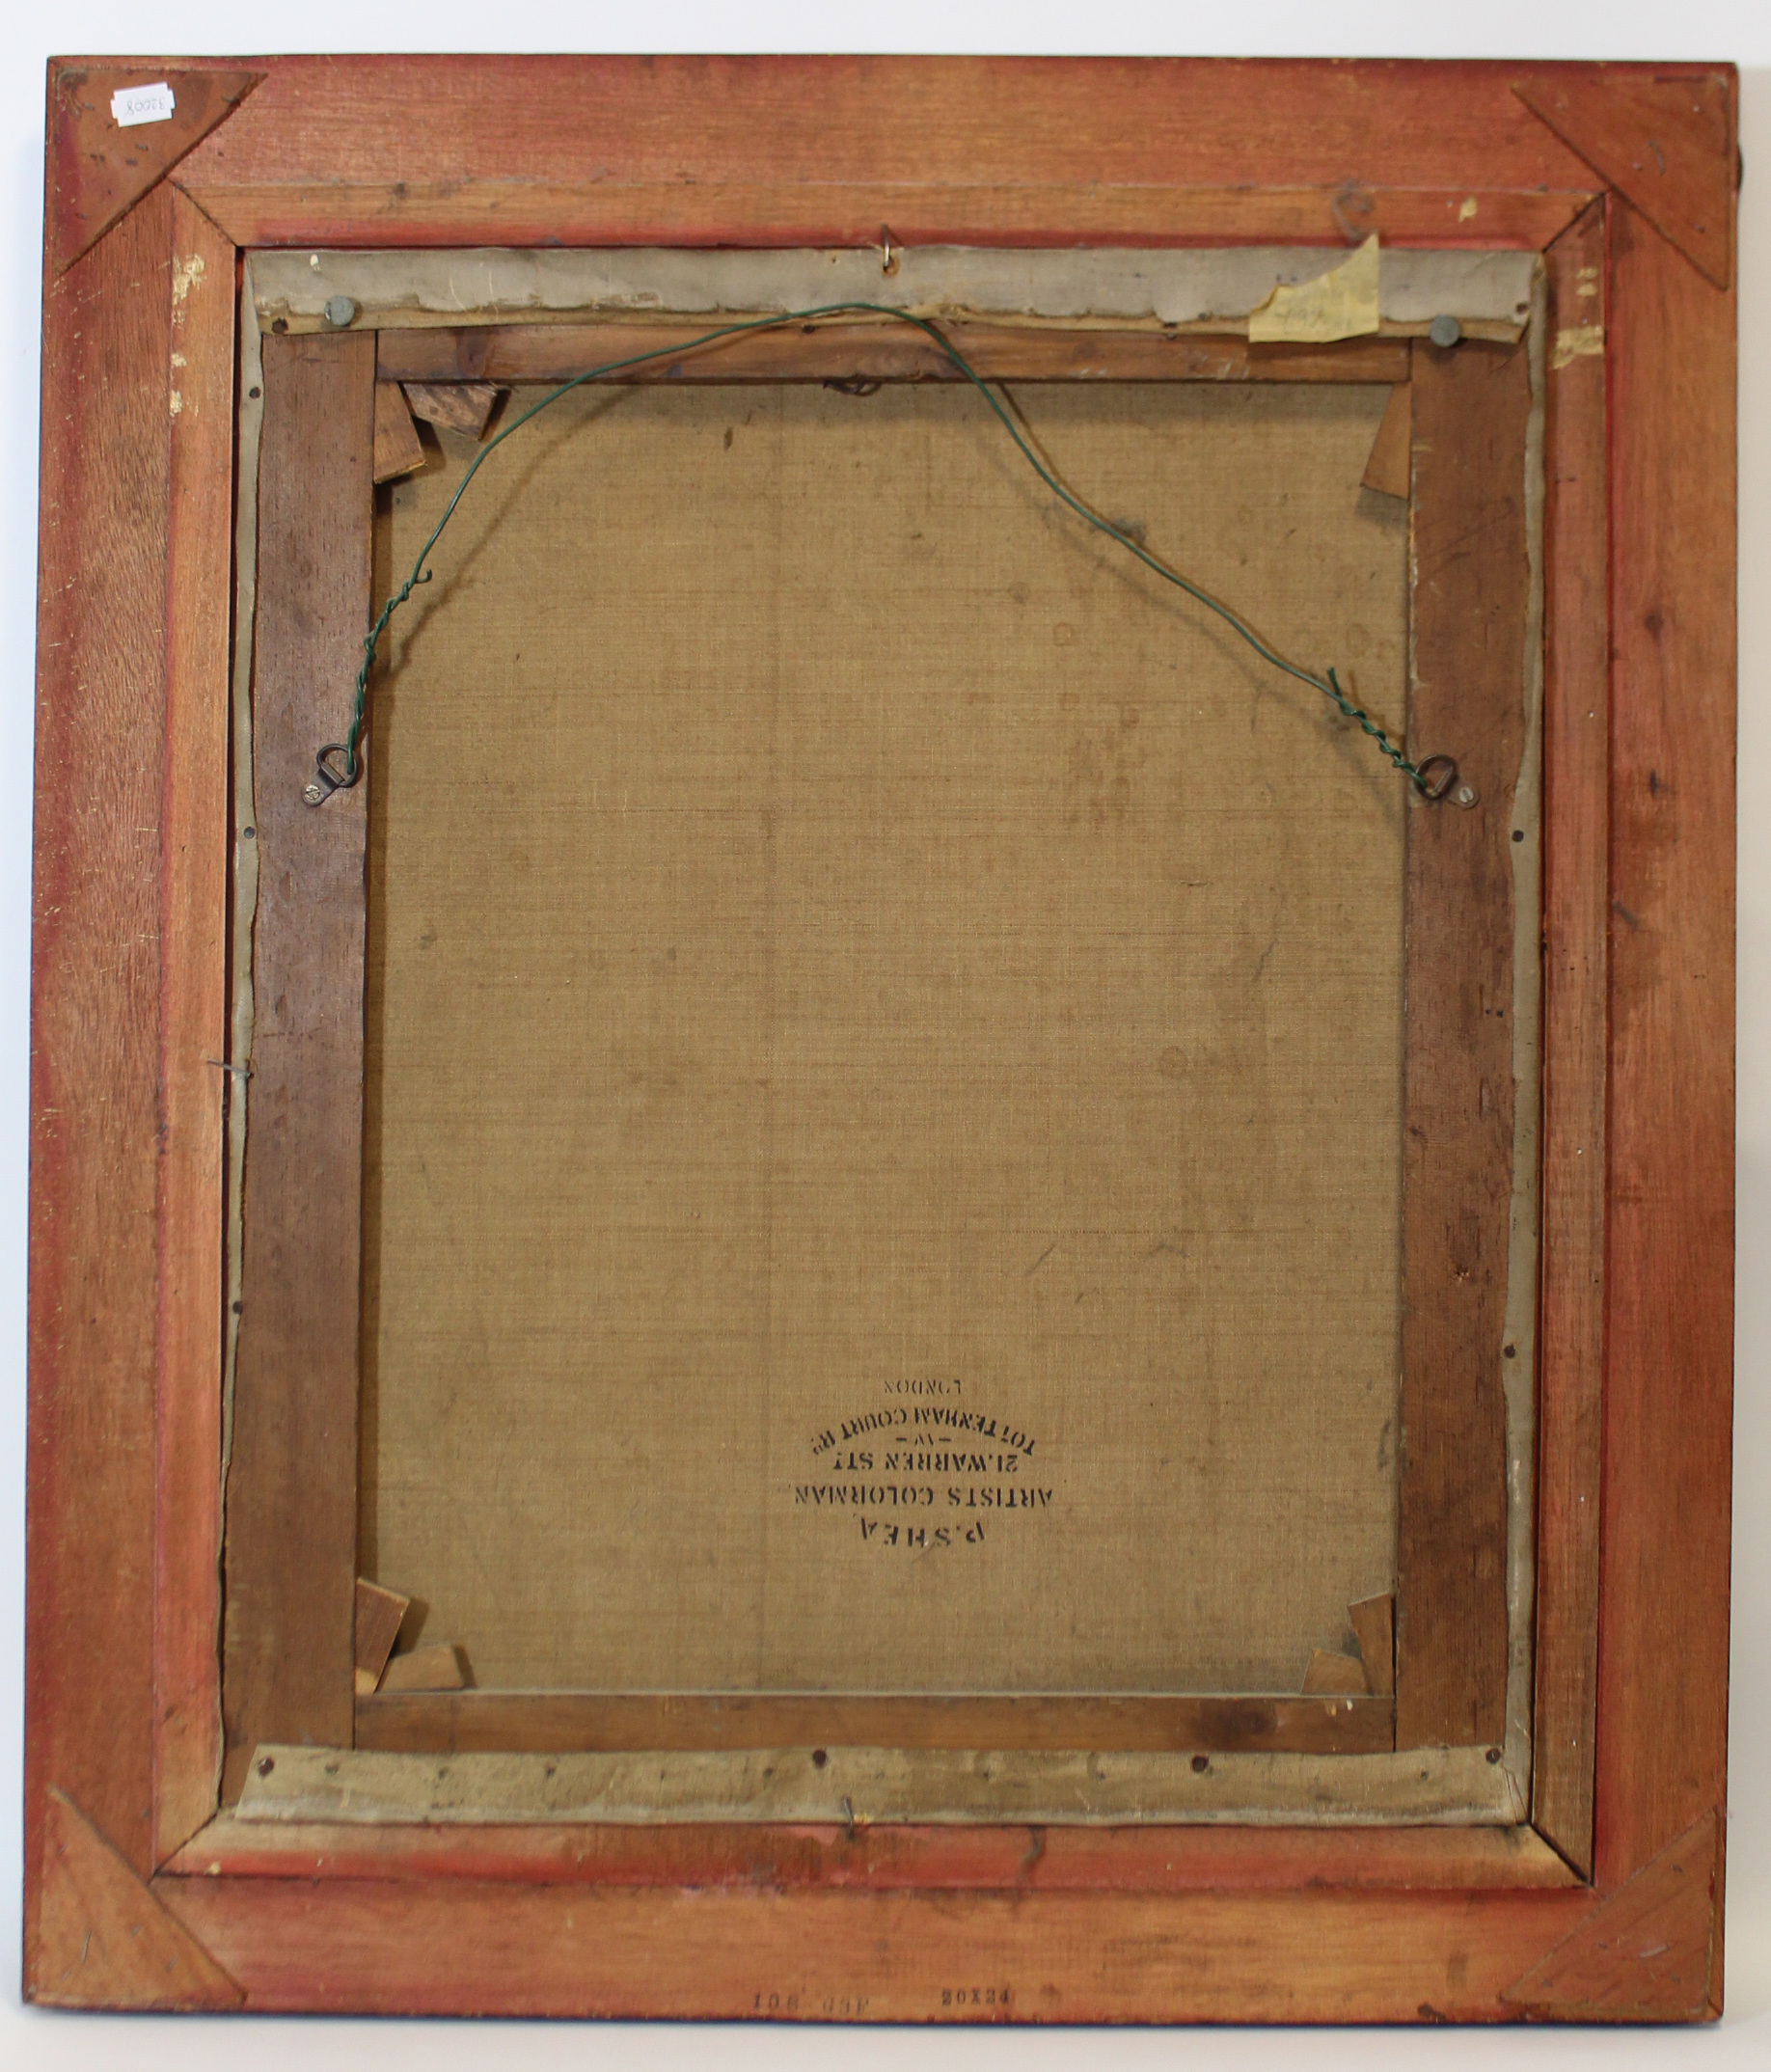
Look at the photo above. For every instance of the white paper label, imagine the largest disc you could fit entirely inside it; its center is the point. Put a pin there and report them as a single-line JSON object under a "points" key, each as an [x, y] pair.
{"points": [[142, 104]]}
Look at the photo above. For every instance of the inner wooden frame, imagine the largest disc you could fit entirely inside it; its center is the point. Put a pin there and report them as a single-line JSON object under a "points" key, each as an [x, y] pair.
{"points": [[291, 1554], [123, 1737]]}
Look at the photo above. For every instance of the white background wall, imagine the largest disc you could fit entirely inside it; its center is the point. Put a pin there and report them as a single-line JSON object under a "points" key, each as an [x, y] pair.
{"points": [[1700, 29]]}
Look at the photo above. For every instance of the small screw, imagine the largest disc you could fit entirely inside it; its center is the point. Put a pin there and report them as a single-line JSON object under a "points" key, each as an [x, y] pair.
{"points": [[1201, 1764], [819, 1759], [312, 793], [255, 394], [1465, 796], [1445, 330], [341, 312], [265, 1765], [1494, 1754]]}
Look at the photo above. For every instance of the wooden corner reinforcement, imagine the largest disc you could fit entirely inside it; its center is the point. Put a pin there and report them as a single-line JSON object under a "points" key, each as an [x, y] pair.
{"points": [[1667, 144], [98, 167], [1388, 470], [398, 449], [102, 1939], [460, 406], [1372, 1671], [375, 1628], [1650, 1951]]}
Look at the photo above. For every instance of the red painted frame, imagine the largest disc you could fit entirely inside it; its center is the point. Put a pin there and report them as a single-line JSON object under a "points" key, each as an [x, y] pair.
{"points": [[128, 1005]]}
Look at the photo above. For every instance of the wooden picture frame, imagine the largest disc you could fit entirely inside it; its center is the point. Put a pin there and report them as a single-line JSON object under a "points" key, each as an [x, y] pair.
{"points": [[1606, 1903]]}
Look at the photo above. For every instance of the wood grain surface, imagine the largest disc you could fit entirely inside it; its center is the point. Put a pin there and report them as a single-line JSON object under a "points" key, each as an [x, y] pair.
{"points": [[461, 1946], [1572, 1337], [522, 151], [1469, 597], [525, 1720], [96, 169], [398, 449], [1005, 1857], [292, 1486], [95, 1057], [873, 352], [1669, 1287], [1204, 1923], [1666, 142], [1649, 1951], [103, 1939], [194, 1077]]}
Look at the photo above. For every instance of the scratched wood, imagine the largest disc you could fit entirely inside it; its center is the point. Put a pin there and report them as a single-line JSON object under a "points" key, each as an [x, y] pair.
{"points": [[103, 1939], [193, 1029], [1669, 1286], [95, 169], [494, 1948], [1466, 698], [872, 352], [292, 1486], [96, 1059], [1572, 1345], [523, 1720], [1667, 144], [832, 150], [1649, 1951]]}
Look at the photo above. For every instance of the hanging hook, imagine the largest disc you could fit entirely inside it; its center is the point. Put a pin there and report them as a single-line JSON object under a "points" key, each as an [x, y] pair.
{"points": [[1437, 777], [328, 778], [889, 262]]}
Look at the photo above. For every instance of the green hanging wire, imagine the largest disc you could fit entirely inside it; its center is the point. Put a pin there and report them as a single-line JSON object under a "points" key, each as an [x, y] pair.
{"points": [[338, 765]]}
